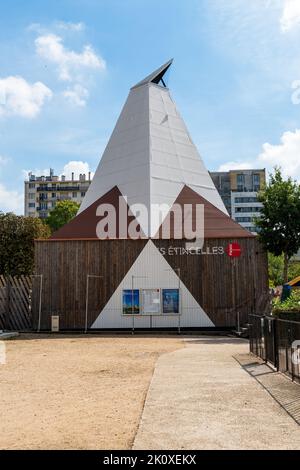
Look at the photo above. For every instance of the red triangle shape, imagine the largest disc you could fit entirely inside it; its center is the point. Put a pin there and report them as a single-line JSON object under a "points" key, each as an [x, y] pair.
{"points": [[83, 226], [216, 223]]}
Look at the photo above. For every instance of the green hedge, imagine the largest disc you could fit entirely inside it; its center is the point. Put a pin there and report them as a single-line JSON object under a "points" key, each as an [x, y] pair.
{"points": [[289, 309]]}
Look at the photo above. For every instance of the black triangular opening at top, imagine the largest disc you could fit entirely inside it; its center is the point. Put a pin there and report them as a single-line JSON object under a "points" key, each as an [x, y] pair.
{"points": [[158, 79]]}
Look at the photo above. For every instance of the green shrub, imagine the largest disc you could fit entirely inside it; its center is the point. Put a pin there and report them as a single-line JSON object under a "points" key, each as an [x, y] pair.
{"points": [[290, 307]]}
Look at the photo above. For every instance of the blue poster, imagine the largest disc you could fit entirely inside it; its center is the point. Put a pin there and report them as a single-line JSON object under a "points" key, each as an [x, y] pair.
{"points": [[170, 298], [131, 302]]}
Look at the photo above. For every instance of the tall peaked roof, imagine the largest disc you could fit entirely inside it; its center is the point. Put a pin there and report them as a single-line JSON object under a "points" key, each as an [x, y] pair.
{"points": [[156, 76], [150, 155]]}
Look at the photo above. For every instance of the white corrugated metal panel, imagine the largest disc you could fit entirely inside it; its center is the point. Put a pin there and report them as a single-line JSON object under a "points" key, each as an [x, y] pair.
{"points": [[159, 274], [150, 155]]}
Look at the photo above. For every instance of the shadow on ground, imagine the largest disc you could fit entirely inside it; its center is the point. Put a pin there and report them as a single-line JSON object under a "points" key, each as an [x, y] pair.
{"points": [[280, 387]]}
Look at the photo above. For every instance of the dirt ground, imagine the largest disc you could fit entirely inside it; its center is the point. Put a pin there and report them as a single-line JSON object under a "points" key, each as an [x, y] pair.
{"points": [[76, 392]]}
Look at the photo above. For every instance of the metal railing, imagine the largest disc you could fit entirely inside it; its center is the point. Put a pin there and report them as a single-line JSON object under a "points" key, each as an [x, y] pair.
{"points": [[276, 341]]}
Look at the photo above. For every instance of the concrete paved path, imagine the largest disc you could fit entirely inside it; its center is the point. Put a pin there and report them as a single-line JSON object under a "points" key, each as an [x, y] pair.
{"points": [[201, 398]]}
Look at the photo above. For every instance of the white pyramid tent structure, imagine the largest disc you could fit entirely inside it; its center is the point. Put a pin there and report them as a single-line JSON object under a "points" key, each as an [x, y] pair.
{"points": [[150, 159], [150, 156]]}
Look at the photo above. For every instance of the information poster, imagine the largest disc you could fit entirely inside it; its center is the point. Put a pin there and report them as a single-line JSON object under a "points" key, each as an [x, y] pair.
{"points": [[151, 301], [170, 299], [131, 302]]}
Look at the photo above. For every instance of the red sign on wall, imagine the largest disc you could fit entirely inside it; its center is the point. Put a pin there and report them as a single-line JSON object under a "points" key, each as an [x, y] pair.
{"points": [[234, 250]]}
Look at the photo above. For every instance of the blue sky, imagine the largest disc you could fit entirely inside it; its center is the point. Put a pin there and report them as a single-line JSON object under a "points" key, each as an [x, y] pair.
{"points": [[66, 68]]}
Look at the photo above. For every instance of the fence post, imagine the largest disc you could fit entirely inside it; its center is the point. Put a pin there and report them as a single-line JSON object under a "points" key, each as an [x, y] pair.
{"points": [[6, 322], [275, 343]]}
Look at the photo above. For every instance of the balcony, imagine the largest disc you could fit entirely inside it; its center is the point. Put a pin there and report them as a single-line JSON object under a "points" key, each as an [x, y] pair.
{"points": [[58, 188]]}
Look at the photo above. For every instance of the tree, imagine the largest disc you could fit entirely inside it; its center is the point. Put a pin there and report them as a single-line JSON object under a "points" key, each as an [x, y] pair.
{"points": [[17, 234], [279, 225], [276, 264], [275, 270], [63, 212]]}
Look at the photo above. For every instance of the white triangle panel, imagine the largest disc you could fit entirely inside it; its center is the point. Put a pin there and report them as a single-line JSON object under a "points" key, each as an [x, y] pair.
{"points": [[159, 274]]}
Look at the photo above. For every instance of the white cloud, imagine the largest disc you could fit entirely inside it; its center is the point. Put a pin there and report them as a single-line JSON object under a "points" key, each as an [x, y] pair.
{"points": [[57, 25], [76, 167], [235, 165], [69, 26], [11, 200], [51, 48], [286, 154], [77, 95], [4, 160], [290, 15], [21, 98], [36, 172]]}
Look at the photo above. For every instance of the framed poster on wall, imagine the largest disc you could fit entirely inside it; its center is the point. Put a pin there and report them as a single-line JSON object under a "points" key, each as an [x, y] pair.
{"points": [[131, 302], [170, 300], [150, 301]]}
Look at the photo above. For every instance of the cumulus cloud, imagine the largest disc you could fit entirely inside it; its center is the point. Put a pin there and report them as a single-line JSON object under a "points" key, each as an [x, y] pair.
{"points": [[50, 47], [286, 154], [20, 98], [235, 165], [11, 200], [76, 167], [290, 15], [77, 95]]}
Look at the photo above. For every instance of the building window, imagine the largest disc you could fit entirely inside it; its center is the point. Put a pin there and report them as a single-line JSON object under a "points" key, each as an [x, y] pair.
{"points": [[256, 182], [83, 194], [31, 195], [31, 204], [243, 219], [240, 179], [74, 194], [31, 185], [244, 200], [248, 209], [53, 195]]}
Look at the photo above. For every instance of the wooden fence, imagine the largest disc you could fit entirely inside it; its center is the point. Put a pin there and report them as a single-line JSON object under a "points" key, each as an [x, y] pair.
{"points": [[15, 303]]}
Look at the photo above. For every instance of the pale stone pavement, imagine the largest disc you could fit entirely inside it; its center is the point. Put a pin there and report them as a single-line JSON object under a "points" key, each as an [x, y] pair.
{"points": [[200, 397]]}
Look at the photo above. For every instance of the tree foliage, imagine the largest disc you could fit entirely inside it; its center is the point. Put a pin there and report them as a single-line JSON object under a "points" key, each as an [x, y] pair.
{"points": [[63, 212], [276, 265], [279, 225], [17, 234]]}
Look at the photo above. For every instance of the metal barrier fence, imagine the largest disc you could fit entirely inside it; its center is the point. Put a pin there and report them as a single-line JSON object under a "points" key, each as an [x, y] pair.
{"points": [[15, 303], [276, 341]]}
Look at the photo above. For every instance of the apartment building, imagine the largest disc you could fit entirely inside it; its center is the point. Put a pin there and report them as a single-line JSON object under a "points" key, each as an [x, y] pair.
{"points": [[43, 192], [239, 190]]}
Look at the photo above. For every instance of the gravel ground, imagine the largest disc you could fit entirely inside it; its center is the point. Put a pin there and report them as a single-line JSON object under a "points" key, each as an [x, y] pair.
{"points": [[76, 392]]}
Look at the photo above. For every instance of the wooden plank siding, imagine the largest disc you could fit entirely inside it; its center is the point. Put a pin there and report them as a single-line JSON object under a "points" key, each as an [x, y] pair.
{"points": [[65, 266], [221, 285]]}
